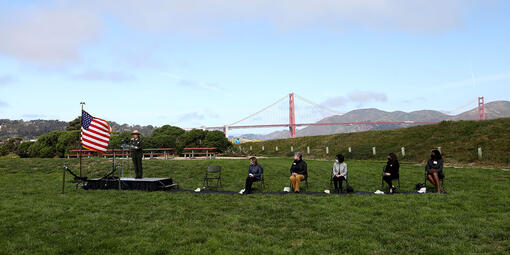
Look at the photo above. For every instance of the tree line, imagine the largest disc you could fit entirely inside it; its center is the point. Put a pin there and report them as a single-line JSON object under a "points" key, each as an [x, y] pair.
{"points": [[58, 143], [32, 129]]}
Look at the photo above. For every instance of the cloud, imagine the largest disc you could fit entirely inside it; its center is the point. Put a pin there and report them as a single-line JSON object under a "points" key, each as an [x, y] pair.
{"points": [[361, 98], [196, 84], [335, 101], [197, 117], [3, 104], [95, 75], [7, 79], [55, 32], [33, 116], [48, 35], [417, 16], [191, 116], [138, 59], [474, 81], [367, 96]]}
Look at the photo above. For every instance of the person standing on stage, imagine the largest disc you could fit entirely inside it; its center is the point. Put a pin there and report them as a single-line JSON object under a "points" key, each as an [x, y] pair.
{"points": [[137, 153]]}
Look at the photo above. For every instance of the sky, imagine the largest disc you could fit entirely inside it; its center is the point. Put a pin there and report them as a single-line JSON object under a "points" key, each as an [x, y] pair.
{"points": [[213, 62]]}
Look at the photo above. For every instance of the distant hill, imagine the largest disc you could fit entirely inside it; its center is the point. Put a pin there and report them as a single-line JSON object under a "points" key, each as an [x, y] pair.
{"points": [[494, 110], [30, 129], [144, 130]]}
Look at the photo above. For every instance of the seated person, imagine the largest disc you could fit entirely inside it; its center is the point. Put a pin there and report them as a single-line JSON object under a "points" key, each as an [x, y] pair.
{"points": [[255, 172], [339, 173], [434, 169], [298, 171], [391, 171]]}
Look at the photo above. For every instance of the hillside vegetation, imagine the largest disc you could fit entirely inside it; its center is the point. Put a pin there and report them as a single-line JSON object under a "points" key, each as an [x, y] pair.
{"points": [[459, 142]]}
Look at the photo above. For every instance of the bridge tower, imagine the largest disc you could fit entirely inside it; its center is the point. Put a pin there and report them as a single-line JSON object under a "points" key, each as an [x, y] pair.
{"points": [[225, 130], [292, 116], [481, 108]]}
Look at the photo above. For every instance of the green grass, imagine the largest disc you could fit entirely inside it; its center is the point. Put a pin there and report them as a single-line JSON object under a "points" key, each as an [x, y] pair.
{"points": [[36, 219], [459, 141]]}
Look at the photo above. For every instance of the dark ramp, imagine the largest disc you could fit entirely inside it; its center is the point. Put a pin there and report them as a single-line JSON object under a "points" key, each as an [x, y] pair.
{"points": [[145, 184], [282, 192]]}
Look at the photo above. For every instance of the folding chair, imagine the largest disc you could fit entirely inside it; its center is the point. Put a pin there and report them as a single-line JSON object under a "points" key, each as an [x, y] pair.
{"points": [[262, 185], [332, 185], [213, 173], [441, 180], [397, 189]]}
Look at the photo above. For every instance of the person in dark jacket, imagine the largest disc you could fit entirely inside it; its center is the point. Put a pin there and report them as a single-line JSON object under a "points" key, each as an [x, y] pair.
{"points": [[136, 145], [391, 171], [255, 172], [298, 171], [434, 169]]}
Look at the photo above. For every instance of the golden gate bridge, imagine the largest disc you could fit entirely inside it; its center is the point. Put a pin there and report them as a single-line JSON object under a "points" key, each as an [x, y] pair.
{"points": [[292, 125]]}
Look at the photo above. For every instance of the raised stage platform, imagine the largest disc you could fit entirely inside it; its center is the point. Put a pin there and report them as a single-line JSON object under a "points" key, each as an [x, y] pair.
{"points": [[145, 184]]}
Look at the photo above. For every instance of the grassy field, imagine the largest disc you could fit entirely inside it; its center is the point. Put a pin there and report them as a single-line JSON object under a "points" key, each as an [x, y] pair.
{"points": [[36, 219], [459, 141]]}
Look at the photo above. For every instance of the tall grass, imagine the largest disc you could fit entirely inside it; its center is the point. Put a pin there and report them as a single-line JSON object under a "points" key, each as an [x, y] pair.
{"points": [[36, 219]]}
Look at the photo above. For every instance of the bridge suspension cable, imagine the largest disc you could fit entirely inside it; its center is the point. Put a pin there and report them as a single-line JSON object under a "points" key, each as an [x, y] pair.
{"points": [[263, 109], [470, 103], [319, 105]]}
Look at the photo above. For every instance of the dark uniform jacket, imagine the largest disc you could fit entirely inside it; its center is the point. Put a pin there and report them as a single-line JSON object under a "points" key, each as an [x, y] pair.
{"points": [[299, 167], [136, 147], [392, 168], [257, 171]]}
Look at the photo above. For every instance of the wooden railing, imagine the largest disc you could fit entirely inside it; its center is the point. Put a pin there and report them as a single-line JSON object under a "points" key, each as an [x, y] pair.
{"points": [[119, 153], [204, 152]]}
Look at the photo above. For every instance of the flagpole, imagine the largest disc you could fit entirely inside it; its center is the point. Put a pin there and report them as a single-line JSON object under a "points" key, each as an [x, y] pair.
{"points": [[81, 125]]}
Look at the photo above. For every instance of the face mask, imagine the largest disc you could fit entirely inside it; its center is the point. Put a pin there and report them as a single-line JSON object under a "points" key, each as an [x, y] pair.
{"points": [[251, 163]]}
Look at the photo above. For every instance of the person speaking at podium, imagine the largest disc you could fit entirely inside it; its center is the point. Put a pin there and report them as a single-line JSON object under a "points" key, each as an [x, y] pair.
{"points": [[136, 145]]}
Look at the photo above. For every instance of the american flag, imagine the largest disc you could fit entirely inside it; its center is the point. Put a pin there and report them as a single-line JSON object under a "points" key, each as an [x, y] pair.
{"points": [[95, 133]]}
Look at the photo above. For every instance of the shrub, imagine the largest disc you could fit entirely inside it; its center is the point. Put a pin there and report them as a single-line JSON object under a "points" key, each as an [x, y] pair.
{"points": [[117, 138], [66, 141], [218, 140], [22, 150], [3, 151]]}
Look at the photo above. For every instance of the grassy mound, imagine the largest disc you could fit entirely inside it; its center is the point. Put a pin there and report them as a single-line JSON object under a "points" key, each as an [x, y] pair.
{"points": [[459, 141]]}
